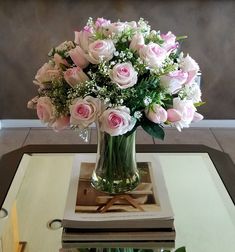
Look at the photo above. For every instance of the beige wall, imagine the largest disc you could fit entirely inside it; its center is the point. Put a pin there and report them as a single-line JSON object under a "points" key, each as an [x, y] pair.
{"points": [[28, 29]]}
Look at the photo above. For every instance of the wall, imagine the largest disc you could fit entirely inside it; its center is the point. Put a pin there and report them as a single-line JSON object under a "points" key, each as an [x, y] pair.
{"points": [[30, 28]]}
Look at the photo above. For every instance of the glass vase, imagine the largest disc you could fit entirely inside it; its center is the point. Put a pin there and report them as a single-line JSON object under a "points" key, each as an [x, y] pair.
{"points": [[116, 168]]}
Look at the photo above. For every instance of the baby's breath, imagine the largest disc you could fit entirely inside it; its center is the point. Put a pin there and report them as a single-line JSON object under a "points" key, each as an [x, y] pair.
{"points": [[147, 100], [138, 115], [90, 22], [144, 28]]}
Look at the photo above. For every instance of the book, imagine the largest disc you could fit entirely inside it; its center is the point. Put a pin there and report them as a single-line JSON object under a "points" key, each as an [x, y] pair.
{"points": [[83, 201], [148, 246], [118, 236]]}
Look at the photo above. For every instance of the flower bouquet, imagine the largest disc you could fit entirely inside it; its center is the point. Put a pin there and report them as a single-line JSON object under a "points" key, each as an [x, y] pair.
{"points": [[120, 76]]}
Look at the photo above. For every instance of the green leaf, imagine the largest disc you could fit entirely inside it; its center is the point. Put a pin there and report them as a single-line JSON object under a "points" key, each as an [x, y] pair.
{"points": [[198, 104], [63, 67], [52, 52], [181, 37], [181, 249], [153, 129]]}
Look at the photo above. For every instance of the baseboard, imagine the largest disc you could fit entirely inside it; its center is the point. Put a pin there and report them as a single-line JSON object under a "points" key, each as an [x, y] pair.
{"points": [[16, 123]]}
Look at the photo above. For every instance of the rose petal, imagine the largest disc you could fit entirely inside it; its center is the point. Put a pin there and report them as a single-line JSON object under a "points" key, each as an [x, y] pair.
{"points": [[197, 117], [173, 115]]}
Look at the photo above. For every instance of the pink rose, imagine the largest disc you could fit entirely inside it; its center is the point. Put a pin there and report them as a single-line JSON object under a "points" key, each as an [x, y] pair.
{"points": [[75, 76], [32, 104], [173, 115], [132, 24], [152, 54], [102, 23], [78, 57], [156, 113], [136, 42], [85, 111], [197, 117], [182, 114], [170, 43], [116, 121], [59, 60], [45, 109], [190, 66], [116, 28], [61, 123], [47, 73], [100, 50], [124, 75], [84, 38], [173, 81]]}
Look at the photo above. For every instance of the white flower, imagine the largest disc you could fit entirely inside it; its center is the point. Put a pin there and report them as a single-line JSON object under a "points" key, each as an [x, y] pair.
{"points": [[138, 114], [67, 45], [193, 93], [147, 101]]}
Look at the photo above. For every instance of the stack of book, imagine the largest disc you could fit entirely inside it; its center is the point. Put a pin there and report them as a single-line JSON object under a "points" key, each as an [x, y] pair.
{"points": [[122, 224]]}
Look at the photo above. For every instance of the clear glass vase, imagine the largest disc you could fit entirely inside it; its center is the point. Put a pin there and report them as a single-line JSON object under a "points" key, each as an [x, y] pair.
{"points": [[116, 169]]}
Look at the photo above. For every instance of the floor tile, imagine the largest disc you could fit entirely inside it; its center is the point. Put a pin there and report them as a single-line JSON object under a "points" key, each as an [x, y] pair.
{"points": [[190, 136], [11, 139], [226, 139], [48, 136], [141, 138]]}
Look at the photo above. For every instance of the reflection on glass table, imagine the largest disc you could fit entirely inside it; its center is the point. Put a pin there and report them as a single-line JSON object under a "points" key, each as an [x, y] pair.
{"points": [[204, 212]]}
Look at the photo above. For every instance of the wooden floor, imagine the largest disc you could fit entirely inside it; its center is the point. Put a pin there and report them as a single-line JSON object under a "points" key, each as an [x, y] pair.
{"points": [[218, 138]]}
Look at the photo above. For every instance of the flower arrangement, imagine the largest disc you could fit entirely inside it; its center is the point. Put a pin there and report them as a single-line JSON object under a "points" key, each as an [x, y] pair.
{"points": [[121, 75]]}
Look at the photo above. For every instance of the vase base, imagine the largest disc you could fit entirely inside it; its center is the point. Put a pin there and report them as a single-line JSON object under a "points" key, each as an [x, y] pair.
{"points": [[115, 186]]}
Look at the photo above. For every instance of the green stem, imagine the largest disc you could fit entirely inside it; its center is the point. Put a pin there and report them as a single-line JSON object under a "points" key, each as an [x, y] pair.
{"points": [[116, 170]]}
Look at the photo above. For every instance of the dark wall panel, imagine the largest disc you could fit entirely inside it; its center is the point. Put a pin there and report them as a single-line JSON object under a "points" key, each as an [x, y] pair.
{"points": [[30, 28]]}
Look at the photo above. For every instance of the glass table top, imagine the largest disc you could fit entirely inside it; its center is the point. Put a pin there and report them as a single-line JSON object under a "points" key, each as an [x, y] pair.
{"points": [[204, 213]]}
